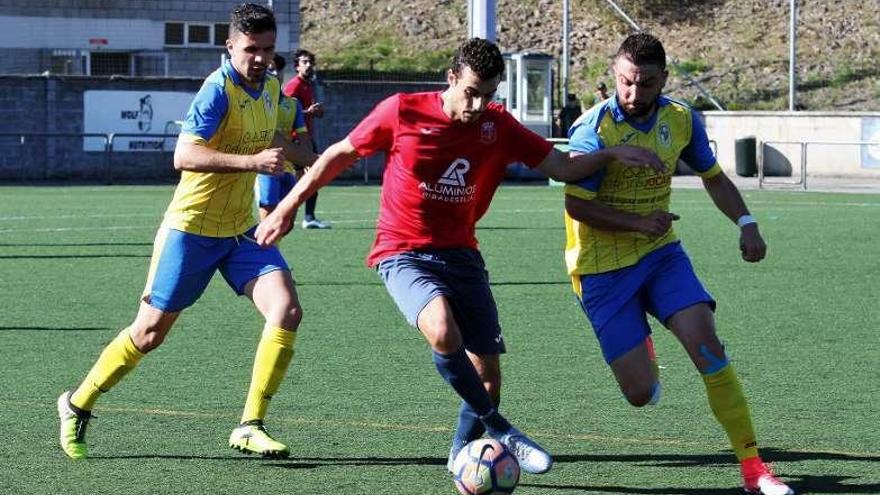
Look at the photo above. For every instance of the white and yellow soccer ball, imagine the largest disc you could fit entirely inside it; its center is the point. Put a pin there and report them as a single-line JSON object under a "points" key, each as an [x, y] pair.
{"points": [[485, 467]]}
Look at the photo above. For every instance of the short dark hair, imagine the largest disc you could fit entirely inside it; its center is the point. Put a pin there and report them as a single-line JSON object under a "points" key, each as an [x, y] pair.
{"points": [[643, 49], [303, 53], [252, 18], [482, 56], [279, 62]]}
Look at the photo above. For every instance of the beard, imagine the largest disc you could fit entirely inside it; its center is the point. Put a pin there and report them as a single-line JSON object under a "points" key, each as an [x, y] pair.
{"points": [[640, 109]]}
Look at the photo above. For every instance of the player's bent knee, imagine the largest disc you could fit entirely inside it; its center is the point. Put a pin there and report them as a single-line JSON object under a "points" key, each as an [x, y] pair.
{"points": [[440, 332], [291, 317]]}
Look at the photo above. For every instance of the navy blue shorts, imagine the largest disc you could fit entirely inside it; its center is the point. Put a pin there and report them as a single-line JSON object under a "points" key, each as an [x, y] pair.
{"points": [[413, 279], [617, 302]]}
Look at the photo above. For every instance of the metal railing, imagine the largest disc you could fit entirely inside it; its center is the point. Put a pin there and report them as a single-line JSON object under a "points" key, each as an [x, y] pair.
{"points": [[804, 145], [49, 149]]}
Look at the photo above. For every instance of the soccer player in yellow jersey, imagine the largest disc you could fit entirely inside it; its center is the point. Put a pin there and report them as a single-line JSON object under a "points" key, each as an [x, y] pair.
{"points": [[227, 138], [625, 260]]}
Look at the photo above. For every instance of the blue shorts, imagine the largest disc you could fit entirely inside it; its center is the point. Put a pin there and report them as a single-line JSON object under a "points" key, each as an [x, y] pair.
{"points": [[271, 189], [183, 264], [617, 302], [413, 279]]}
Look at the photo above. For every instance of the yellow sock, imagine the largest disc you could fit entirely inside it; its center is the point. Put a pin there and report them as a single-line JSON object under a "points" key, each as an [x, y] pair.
{"points": [[118, 358], [274, 354], [731, 410]]}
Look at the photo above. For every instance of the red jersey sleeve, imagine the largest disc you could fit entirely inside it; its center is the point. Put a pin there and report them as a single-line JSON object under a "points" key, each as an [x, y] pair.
{"points": [[376, 131], [290, 88], [525, 146]]}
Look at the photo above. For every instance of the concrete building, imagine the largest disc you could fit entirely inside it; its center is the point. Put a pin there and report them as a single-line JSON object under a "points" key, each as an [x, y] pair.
{"points": [[142, 38]]}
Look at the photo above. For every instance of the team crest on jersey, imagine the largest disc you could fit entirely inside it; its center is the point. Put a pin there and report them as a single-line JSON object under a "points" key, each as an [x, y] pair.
{"points": [[488, 133], [267, 101], [664, 137]]}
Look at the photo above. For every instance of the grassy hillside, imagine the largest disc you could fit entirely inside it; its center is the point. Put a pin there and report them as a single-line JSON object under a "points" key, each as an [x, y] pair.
{"points": [[738, 49]]}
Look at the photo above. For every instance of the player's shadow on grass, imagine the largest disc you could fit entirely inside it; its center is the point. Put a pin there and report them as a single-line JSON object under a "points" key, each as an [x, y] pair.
{"points": [[531, 227], [532, 282], [74, 244], [803, 484], [69, 256], [225, 458], [51, 329], [331, 283], [294, 462]]}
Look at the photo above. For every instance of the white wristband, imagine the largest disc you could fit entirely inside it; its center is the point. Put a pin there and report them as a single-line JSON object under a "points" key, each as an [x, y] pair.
{"points": [[745, 220]]}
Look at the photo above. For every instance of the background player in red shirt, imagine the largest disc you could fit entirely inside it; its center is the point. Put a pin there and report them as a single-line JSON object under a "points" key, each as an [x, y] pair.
{"points": [[302, 88], [446, 153]]}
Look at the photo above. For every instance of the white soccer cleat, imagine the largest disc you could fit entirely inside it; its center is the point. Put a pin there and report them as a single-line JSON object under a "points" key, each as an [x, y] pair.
{"points": [[765, 483], [315, 224], [530, 456]]}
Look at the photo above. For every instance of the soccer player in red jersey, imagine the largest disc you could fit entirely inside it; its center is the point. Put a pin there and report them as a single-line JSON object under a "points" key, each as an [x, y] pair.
{"points": [[446, 154], [302, 88]]}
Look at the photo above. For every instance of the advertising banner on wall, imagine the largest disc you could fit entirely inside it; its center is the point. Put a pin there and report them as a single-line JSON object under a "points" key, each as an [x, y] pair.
{"points": [[137, 118], [871, 132]]}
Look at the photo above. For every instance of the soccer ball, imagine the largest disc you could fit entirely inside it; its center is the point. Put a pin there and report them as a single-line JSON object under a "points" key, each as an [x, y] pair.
{"points": [[485, 467]]}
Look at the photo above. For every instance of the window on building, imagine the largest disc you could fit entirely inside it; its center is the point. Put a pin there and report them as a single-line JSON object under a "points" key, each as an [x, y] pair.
{"points": [[221, 34], [150, 64], [198, 34], [110, 63], [67, 62], [195, 34], [174, 33]]}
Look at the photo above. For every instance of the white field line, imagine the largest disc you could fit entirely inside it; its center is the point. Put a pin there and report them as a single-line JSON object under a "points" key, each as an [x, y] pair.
{"points": [[331, 213], [74, 229], [374, 425], [99, 215]]}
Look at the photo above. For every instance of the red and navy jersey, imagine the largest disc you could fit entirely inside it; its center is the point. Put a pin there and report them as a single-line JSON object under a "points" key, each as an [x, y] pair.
{"points": [[440, 175], [303, 91]]}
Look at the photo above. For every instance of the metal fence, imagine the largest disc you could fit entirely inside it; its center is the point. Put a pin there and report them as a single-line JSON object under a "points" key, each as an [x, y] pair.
{"points": [[60, 156], [801, 178], [29, 157]]}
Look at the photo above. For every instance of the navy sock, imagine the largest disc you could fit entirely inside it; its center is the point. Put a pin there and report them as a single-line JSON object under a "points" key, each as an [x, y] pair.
{"points": [[459, 372], [495, 424], [310, 206], [469, 426]]}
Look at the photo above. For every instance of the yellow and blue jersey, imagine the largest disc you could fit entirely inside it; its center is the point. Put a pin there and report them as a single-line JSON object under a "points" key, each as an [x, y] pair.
{"points": [[675, 131], [228, 117], [290, 121]]}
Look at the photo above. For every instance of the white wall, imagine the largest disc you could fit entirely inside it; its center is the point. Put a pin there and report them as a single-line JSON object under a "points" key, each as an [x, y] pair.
{"points": [[822, 160]]}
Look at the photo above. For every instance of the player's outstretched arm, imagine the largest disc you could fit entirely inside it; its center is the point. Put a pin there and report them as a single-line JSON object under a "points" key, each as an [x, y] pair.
{"points": [[601, 216], [727, 198], [330, 164], [568, 168], [194, 157]]}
